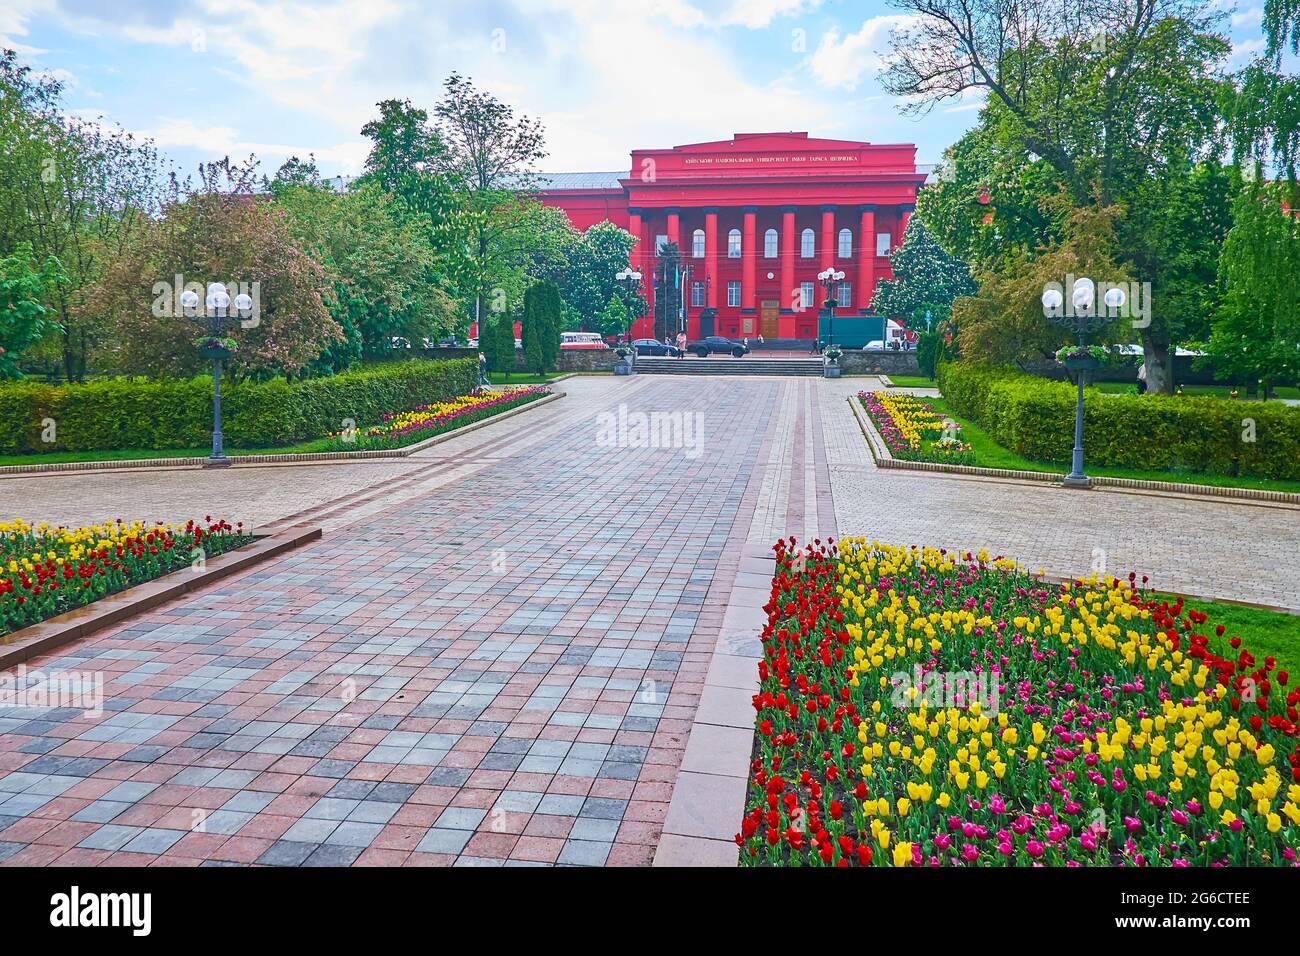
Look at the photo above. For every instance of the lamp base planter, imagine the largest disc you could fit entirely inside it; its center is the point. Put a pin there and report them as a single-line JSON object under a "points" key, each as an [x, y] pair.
{"points": [[216, 462], [831, 371], [622, 368], [1079, 484]]}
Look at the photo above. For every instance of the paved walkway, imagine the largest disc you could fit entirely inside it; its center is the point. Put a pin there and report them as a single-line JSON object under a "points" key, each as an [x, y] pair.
{"points": [[495, 654]]}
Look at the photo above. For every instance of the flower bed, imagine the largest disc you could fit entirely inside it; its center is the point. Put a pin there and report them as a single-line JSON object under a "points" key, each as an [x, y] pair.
{"points": [[928, 708], [913, 431], [45, 571], [425, 421]]}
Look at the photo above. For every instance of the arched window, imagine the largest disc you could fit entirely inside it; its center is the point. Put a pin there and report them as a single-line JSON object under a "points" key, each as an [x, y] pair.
{"points": [[697, 244], [733, 244], [807, 248], [769, 244], [846, 244]]}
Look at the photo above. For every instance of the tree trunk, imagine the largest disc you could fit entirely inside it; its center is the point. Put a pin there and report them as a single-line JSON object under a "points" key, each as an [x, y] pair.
{"points": [[1160, 369]]}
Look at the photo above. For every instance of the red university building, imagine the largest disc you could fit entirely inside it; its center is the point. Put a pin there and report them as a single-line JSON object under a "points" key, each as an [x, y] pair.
{"points": [[756, 217]]}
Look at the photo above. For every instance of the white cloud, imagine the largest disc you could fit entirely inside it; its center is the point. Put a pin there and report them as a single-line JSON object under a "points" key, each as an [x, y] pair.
{"points": [[1251, 17], [840, 61], [218, 141], [15, 15]]}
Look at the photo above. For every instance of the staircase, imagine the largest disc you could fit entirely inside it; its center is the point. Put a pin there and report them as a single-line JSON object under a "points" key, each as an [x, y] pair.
{"points": [[727, 365]]}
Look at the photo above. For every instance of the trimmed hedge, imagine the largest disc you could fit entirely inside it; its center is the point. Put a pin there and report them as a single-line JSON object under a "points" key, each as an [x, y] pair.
{"points": [[133, 413], [1034, 417]]}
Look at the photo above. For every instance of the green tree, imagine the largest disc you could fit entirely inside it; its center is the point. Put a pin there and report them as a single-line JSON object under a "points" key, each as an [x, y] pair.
{"points": [[24, 316], [533, 328], [1004, 321], [926, 280], [668, 292], [409, 160], [1256, 337], [214, 236], [75, 190], [614, 319], [490, 153], [385, 276], [597, 256], [551, 314], [1115, 97]]}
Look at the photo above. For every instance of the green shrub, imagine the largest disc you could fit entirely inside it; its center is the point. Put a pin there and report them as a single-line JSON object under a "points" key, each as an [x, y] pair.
{"points": [[135, 413], [1034, 417]]}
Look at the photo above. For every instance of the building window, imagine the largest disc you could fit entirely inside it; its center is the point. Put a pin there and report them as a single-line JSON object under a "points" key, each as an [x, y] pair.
{"points": [[660, 242], [844, 295], [733, 244], [846, 244], [807, 245], [697, 294], [697, 244], [806, 294], [882, 243], [733, 294], [769, 244]]}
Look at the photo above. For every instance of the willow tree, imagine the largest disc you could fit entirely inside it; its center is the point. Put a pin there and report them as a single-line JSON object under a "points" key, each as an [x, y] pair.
{"points": [[1256, 336]]}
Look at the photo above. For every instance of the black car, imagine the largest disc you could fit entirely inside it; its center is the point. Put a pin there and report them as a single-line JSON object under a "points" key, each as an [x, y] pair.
{"points": [[717, 344], [654, 347]]}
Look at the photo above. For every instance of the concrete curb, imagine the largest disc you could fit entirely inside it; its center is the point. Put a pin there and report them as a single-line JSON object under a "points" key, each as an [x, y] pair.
{"points": [[318, 457], [708, 798], [73, 625], [883, 459]]}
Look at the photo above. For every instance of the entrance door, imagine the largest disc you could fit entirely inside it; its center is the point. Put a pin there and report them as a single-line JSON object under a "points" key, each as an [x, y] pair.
{"points": [[769, 318]]}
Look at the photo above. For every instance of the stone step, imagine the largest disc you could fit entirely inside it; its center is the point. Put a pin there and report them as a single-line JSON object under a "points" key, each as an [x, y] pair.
{"points": [[728, 366]]}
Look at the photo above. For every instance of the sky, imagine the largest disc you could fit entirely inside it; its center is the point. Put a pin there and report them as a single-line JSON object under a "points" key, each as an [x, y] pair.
{"points": [[209, 78]]}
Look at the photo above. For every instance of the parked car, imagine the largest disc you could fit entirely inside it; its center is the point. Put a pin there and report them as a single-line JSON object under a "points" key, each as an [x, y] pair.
{"points": [[655, 347], [874, 346], [717, 344], [581, 340]]}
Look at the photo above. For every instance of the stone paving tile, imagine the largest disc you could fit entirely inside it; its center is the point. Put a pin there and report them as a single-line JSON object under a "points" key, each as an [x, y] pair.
{"points": [[483, 670]]}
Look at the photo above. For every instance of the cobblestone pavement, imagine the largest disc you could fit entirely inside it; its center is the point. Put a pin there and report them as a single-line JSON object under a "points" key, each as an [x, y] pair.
{"points": [[495, 654]]}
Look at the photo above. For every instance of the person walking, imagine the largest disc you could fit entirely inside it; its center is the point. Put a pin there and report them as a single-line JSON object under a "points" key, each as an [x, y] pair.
{"points": [[681, 343], [482, 372], [1142, 378]]}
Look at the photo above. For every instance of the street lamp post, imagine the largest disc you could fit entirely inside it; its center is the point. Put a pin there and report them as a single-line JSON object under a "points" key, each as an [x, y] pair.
{"points": [[830, 280], [215, 315], [1085, 318], [630, 279]]}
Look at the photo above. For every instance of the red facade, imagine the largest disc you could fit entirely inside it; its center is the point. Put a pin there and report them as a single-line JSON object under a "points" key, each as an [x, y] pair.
{"points": [[756, 218]]}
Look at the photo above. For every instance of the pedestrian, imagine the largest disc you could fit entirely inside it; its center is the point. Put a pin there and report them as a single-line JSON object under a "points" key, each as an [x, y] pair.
{"points": [[681, 343], [760, 339], [482, 371], [1142, 378]]}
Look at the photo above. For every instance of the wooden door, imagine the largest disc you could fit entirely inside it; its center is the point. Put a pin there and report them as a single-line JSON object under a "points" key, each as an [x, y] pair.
{"points": [[769, 318]]}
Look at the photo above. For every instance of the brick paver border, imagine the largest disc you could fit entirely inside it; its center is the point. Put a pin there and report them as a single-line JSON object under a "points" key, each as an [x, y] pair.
{"points": [[74, 625]]}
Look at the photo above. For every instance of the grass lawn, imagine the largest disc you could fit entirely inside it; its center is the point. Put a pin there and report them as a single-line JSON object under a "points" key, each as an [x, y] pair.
{"points": [[989, 454], [521, 378], [1214, 391], [913, 381], [1263, 633]]}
